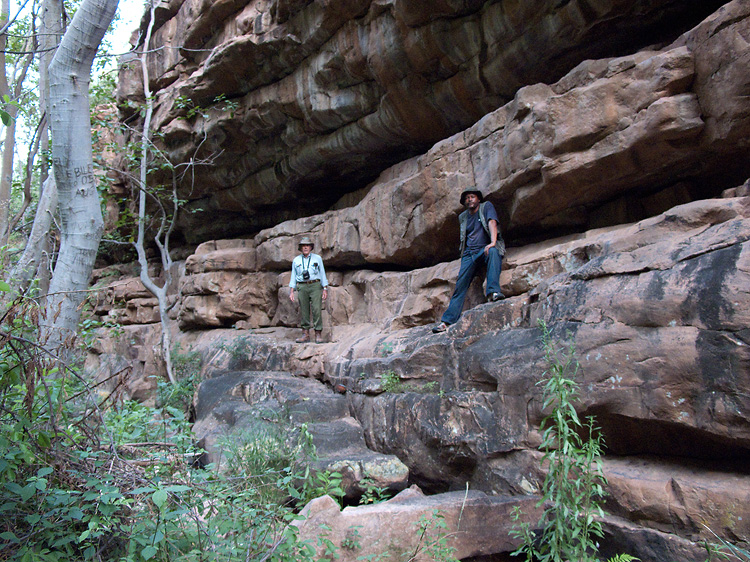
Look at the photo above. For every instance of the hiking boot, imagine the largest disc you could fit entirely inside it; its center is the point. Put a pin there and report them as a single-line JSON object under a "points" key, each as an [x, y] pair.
{"points": [[442, 327], [494, 297]]}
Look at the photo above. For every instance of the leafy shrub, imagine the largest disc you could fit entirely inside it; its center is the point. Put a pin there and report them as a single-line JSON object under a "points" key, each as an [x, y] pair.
{"points": [[432, 539], [373, 493], [574, 484], [238, 348], [77, 483]]}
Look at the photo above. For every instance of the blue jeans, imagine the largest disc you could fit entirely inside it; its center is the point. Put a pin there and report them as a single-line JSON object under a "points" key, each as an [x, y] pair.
{"points": [[471, 261]]}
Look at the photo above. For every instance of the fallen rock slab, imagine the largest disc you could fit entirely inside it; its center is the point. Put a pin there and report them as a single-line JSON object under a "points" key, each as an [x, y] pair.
{"points": [[407, 526]]}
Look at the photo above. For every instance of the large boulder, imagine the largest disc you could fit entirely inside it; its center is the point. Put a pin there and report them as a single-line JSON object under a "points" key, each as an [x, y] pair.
{"points": [[415, 527], [229, 405]]}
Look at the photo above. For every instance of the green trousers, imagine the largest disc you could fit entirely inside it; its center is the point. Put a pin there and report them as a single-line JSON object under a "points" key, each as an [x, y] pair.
{"points": [[310, 297]]}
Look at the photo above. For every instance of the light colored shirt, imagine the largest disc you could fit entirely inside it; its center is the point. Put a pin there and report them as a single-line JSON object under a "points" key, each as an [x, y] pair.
{"points": [[313, 264]]}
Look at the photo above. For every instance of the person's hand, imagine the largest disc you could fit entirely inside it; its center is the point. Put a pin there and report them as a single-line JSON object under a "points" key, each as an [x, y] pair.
{"points": [[291, 295], [487, 249], [325, 294]]}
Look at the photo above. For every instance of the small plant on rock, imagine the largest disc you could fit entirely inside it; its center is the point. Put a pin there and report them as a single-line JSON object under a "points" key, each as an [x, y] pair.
{"points": [[384, 349], [238, 348], [724, 550], [351, 540], [391, 382], [373, 493], [432, 539]]}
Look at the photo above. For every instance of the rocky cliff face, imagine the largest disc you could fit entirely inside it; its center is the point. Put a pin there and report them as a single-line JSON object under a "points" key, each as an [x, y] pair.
{"points": [[613, 139], [300, 102]]}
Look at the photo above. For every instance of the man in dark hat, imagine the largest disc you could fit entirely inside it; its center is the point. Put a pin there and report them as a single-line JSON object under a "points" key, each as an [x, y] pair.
{"points": [[311, 285], [481, 245]]}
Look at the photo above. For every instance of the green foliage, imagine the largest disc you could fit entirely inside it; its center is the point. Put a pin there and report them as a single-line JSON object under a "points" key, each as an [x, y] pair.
{"points": [[330, 550], [88, 330], [186, 367], [724, 550], [102, 89], [574, 484], [391, 382], [373, 493], [220, 103], [384, 349], [4, 115], [320, 483], [75, 485], [623, 558], [279, 456], [238, 348], [351, 540], [432, 539]]}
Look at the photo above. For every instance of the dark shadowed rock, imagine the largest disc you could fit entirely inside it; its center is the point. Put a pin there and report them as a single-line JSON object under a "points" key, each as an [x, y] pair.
{"points": [[228, 405]]}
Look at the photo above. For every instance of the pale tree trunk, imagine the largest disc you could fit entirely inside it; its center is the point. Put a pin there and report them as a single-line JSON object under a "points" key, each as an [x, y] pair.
{"points": [[5, 182], [26, 268], [80, 212], [50, 34], [29, 173], [33, 262], [12, 89], [52, 30], [166, 261]]}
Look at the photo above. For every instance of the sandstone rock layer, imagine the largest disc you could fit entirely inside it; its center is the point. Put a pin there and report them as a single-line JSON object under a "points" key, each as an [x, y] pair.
{"points": [[298, 103]]}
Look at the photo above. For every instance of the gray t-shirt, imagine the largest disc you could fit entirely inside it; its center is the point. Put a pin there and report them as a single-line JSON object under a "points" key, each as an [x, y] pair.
{"points": [[476, 236]]}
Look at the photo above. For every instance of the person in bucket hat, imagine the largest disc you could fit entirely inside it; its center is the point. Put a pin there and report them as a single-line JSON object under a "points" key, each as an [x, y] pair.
{"points": [[310, 284], [480, 245]]}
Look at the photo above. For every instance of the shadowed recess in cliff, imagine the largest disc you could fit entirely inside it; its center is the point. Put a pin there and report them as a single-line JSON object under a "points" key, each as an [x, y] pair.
{"points": [[625, 436]]}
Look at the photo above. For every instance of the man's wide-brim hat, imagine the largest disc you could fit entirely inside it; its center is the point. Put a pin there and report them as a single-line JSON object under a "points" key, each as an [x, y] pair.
{"points": [[305, 241], [473, 190]]}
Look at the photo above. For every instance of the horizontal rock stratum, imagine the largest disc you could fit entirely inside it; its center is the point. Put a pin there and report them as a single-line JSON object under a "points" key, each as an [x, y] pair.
{"points": [[285, 107]]}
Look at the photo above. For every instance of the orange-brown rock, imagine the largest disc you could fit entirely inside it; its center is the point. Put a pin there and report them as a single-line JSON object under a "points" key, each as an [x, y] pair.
{"points": [[465, 517], [299, 103]]}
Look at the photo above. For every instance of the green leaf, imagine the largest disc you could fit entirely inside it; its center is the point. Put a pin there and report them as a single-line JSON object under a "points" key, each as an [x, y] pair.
{"points": [[148, 552], [3, 285], [159, 497], [26, 493], [9, 536]]}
